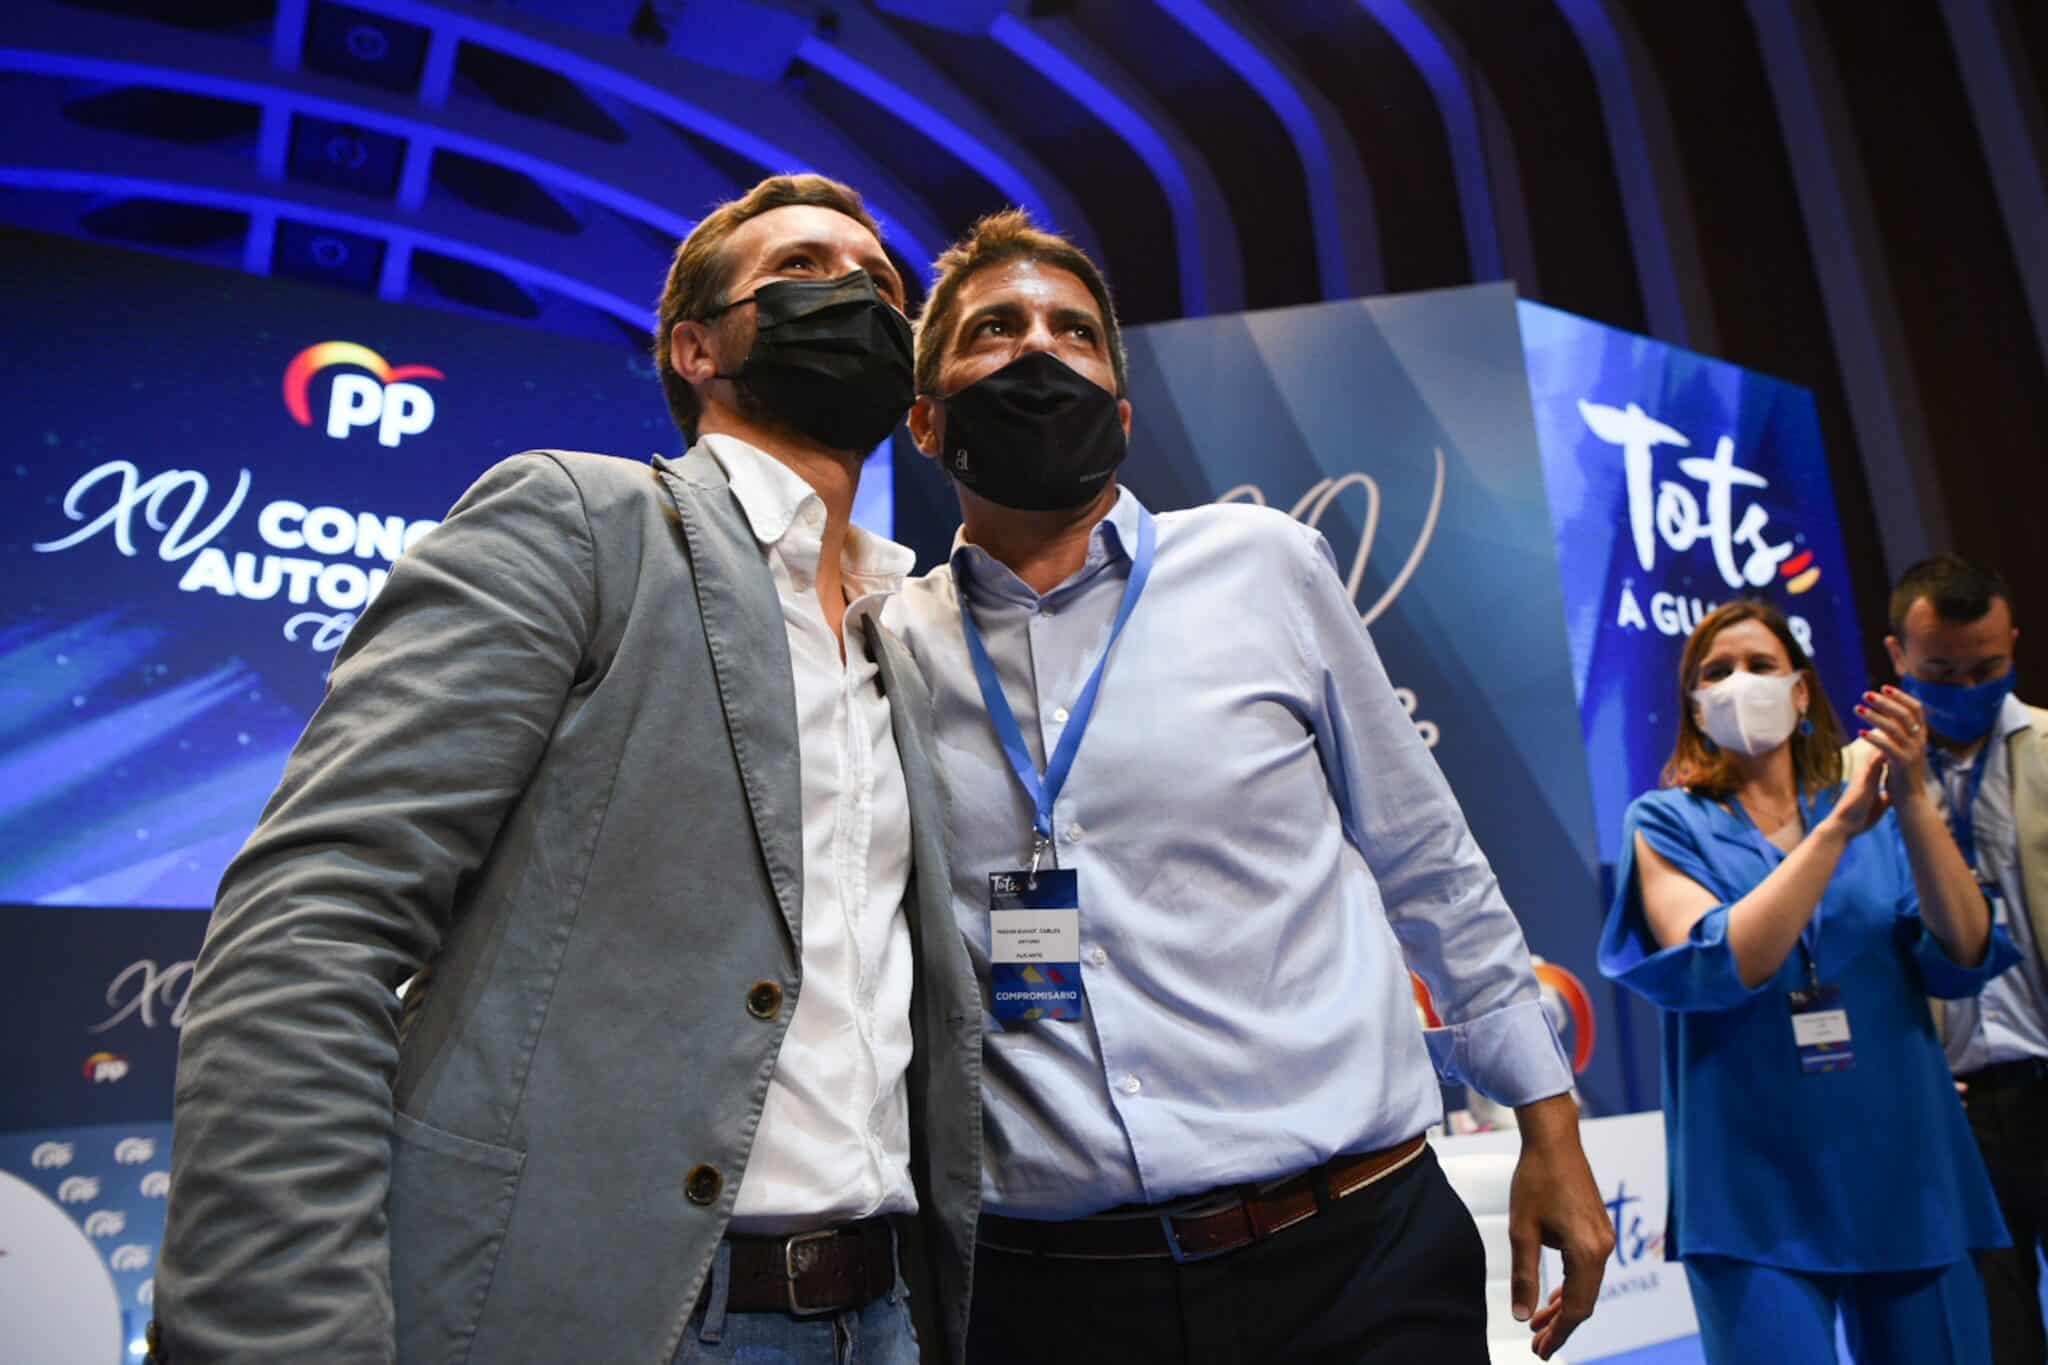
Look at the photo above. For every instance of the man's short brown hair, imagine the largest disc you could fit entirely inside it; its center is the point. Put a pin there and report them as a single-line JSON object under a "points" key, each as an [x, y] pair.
{"points": [[701, 271], [997, 239]]}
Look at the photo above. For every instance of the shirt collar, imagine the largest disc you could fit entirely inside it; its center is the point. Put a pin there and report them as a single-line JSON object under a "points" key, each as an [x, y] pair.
{"points": [[773, 497], [874, 564], [771, 494], [2013, 716], [1116, 535]]}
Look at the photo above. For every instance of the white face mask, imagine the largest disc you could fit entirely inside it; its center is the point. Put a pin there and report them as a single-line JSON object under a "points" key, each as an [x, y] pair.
{"points": [[1751, 713]]}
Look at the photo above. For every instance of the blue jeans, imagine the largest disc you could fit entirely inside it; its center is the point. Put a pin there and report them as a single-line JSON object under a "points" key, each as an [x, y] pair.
{"points": [[879, 1334]]}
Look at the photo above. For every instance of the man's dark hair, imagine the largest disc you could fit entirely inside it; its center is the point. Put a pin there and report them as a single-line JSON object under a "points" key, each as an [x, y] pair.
{"points": [[701, 272], [997, 239], [1959, 591]]}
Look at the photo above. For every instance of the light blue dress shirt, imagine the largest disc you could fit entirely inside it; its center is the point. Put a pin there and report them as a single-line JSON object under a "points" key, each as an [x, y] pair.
{"points": [[1261, 837], [2009, 1021]]}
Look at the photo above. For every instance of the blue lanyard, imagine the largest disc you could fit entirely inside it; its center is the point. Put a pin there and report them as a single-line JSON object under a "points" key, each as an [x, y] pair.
{"points": [[1962, 820], [1046, 790], [1809, 937]]}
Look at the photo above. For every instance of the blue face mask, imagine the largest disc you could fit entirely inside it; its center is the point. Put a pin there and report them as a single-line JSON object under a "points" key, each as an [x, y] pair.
{"points": [[1963, 714]]}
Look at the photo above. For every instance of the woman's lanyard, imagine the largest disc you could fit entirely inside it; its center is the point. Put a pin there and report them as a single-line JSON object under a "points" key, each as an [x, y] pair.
{"points": [[1809, 937], [1044, 791]]}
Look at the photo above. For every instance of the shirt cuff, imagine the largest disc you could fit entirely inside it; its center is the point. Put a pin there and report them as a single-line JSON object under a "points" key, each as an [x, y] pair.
{"points": [[1698, 974], [1510, 1055], [1945, 979]]}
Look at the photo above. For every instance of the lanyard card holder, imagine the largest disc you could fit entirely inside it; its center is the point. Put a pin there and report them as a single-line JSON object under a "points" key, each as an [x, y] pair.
{"points": [[1994, 897], [1034, 947], [1820, 1029]]}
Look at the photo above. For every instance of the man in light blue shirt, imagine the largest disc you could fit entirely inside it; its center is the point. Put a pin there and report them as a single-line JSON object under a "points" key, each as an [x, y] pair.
{"points": [[1197, 843], [1952, 641]]}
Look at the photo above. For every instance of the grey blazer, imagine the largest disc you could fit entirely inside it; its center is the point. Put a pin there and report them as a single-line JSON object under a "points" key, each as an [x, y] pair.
{"points": [[556, 764]]}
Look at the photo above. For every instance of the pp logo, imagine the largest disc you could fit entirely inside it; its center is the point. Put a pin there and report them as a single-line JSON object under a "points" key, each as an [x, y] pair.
{"points": [[134, 1151], [103, 1067], [386, 401], [79, 1189], [156, 1185], [52, 1156], [105, 1223], [129, 1257]]}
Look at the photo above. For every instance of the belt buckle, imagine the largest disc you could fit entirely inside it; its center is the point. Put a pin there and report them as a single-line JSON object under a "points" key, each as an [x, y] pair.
{"points": [[1173, 1246], [795, 1261]]}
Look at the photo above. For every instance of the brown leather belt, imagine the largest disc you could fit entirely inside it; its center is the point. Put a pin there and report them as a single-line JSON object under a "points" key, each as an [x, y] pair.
{"points": [[1253, 1217], [813, 1272]]}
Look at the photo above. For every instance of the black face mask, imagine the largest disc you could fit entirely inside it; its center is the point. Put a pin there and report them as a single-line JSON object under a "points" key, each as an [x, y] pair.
{"points": [[1034, 435], [831, 358]]}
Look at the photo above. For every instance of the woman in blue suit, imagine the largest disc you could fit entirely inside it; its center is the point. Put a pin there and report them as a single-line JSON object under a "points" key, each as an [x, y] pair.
{"points": [[1789, 929]]}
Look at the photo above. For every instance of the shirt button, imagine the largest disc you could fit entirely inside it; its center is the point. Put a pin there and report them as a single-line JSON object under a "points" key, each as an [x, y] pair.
{"points": [[1130, 1084], [1097, 957], [1059, 717], [1045, 608], [1074, 833]]}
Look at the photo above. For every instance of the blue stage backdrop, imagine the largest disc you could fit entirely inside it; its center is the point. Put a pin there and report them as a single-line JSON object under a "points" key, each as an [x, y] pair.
{"points": [[1401, 428], [91, 1015], [211, 475], [1676, 483]]}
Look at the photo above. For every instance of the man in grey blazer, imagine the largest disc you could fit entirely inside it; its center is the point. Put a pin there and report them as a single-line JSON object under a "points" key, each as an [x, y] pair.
{"points": [[622, 773]]}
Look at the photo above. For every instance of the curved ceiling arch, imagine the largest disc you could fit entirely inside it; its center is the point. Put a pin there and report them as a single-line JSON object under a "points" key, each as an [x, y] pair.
{"points": [[867, 57], [226, 70], [1340, 198], [2008, 113], [1662, 233], [1482, 162], [1862, 308], [1211, 268], [138, 183], [778, 132]]}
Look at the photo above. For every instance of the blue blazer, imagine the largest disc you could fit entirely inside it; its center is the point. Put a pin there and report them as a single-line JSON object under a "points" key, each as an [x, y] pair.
{"points": [[1871, 1168]]}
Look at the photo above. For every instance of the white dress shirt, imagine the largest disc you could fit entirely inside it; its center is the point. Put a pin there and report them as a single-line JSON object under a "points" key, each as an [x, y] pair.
{"points": [[1264, 846], [834, 1140], [2009, 1021]]}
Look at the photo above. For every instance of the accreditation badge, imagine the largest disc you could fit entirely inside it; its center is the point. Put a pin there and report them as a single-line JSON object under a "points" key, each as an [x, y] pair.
{"points": [[1034, 945], [1820, 1030]]}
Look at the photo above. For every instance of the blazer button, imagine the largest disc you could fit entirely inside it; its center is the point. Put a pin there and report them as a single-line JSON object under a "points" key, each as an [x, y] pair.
{"points": [[764, 1000], [702, 1184]]}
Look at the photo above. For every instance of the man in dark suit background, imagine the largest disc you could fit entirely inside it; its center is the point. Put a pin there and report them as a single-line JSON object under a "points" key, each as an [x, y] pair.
{"points": [[620, 770]]}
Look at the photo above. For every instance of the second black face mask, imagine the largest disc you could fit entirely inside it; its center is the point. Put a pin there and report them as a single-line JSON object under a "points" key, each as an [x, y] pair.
{"points": [[831, 358], [1034, 435]]}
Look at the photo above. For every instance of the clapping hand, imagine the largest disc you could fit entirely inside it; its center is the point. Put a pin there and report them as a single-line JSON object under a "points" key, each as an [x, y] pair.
{"points": [[1864, 801], [1896, 728]]}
